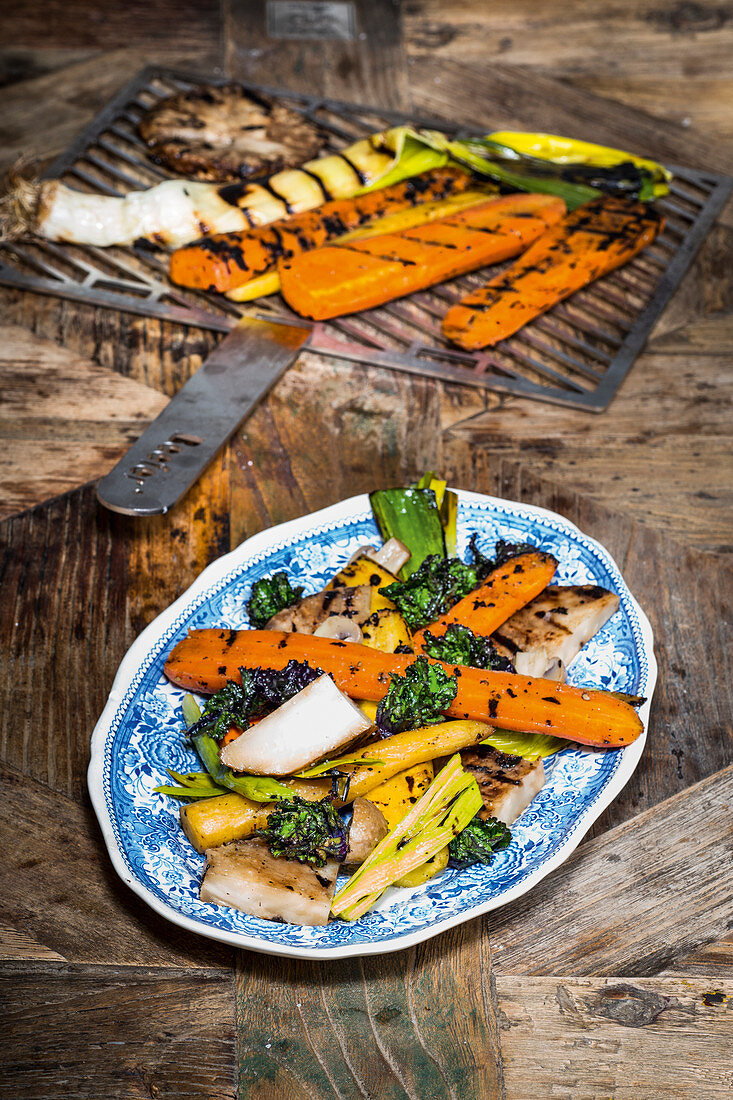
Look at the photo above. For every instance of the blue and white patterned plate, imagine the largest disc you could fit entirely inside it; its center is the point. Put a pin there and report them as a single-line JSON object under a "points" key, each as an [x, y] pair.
{"points": [[139, 736]]}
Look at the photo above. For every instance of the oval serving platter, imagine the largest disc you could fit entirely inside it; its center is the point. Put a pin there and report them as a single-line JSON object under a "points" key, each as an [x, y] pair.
{"points": [[139, 735]]}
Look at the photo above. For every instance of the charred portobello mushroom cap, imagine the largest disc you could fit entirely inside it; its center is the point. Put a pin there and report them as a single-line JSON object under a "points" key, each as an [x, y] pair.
{"points": [[224, 134]]}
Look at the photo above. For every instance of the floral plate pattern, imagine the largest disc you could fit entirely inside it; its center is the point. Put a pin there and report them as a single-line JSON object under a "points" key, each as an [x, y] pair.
{"points": [[139, 735]]}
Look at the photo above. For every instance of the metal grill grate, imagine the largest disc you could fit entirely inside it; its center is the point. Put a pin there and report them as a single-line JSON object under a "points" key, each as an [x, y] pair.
{"points": [[577, 354]]}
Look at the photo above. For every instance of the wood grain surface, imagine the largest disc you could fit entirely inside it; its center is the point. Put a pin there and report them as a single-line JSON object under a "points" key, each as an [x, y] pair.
{"points": [[588, 1038], [613, 977]]}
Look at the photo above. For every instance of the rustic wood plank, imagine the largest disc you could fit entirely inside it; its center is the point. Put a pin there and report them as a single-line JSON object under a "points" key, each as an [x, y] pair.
{"points": [[157, 354], [380, 1026], [293, 438], [62, 899], [669, 60], [64, 420], [42, 116], [582, 1039], [630, 901], [165, 554], [52, 592], [369, 69], [26, 63], [86, 1033], [708, 336], [670, 414], [89, 581], [16, 945], [711, 960], [100, 24]]}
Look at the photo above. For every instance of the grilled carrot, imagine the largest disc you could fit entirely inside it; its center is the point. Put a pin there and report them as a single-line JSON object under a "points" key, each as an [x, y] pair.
{"points": [[206, 659], [395, 222], [344, 278], [590, 242], [228, 260], [505, 590]]}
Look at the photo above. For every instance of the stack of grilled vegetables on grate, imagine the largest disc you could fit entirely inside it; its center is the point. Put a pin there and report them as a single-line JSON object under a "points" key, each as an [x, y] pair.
{"points": [[392, 723], [394, 213]]}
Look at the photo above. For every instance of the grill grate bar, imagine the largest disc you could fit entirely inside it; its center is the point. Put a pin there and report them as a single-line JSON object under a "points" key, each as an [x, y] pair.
{"points": [[67, 257], [541, 368], [548, 325], [111, 170], [562, 357], [37, 262], [576, 354], [130, 158], [587, 301], [94, 183], [569, 312]]}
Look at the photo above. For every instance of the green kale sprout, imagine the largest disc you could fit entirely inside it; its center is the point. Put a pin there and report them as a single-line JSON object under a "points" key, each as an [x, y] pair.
{"points": [[261, 690], [416, 699], [478, 842], [503, 552], [431, 590], [460, 646], [440, 583], [481, 563], [270, 595], [309, 832]]}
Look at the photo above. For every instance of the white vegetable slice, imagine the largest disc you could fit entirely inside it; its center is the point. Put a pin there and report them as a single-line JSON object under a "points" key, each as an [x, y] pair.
{"points": [[507, 783], [245, 876], [543, 637], [392, 555], [171, 213], [311, 725], [340, 628]]}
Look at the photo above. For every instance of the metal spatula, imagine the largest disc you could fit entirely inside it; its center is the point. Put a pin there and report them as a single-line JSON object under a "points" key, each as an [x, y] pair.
{"points": [[180, 443]]}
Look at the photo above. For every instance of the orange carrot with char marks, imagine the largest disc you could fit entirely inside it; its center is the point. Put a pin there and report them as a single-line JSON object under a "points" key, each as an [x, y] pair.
{"points": [[590, 242], [355, 275], [228, 260], [506, 589], [206, 659]]}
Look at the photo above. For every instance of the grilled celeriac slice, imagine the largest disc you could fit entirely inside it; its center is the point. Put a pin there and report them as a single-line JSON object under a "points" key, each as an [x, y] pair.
{"points": [[245, 876], [315, 723], [507, 783], [543, 637]]}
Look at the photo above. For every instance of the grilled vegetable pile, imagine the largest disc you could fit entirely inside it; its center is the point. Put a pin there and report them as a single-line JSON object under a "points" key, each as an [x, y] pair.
{"points": [[390, 215], [348, 277], [419, 721]]}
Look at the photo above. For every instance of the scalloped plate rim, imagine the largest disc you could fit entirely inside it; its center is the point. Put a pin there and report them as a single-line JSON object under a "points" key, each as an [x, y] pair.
{"points": [[217, 569]]}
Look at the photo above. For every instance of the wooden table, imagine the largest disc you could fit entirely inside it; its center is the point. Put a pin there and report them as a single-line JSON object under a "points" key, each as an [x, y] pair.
{"points": [[613, 977]]}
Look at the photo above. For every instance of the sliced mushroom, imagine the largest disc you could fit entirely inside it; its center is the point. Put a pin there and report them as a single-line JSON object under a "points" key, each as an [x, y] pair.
{"points": [[340, 628], [368, 827], [225, 133]]}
